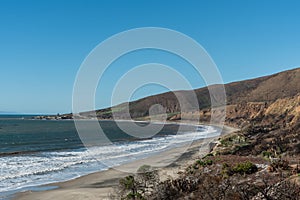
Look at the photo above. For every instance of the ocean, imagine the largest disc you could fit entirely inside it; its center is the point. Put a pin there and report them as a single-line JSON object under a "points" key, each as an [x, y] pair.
{"points": [[38, 152]]}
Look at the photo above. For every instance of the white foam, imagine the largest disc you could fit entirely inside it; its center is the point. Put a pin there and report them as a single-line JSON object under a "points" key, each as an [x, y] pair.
{"points": [[20, 171]]}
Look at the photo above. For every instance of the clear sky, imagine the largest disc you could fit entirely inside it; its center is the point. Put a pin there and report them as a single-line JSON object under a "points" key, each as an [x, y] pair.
{"points": [[43, 43]]}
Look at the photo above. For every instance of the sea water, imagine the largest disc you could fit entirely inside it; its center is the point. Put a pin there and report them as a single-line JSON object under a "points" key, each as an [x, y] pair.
{"points": [[37, 152]]}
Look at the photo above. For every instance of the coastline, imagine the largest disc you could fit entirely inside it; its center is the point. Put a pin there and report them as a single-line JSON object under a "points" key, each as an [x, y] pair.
{"points": [[99, 185]]}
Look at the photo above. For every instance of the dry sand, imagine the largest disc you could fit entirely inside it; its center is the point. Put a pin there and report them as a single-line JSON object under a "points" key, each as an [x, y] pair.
{"points": [[100, 185]]}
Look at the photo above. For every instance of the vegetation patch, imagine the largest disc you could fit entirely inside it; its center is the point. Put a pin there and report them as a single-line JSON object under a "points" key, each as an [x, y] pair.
{"points": [[245, 168]]}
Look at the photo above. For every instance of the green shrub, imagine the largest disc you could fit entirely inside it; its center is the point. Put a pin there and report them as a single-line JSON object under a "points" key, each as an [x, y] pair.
{"points": [[128, 182], [245, 168], [209, 162], [208, 155], [204, 163]]}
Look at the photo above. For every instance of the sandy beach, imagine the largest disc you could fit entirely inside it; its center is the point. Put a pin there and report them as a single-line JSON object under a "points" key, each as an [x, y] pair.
{"points": [[100, 185]]}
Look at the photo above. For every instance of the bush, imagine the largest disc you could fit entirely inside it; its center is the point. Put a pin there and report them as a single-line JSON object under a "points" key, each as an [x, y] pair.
{"points": [[208, 155], [147, 177], [267, 154], [204, 163], [226, 170], [139, 186], [245, 168], [128, 188], [225, 165], [279, 164]]}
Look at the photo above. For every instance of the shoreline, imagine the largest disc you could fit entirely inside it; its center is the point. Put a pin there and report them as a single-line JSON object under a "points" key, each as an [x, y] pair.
{"points": [[98, 185]]}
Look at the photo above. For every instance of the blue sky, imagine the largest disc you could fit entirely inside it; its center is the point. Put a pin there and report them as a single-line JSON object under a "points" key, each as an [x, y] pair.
{"points": [[43, 43]]}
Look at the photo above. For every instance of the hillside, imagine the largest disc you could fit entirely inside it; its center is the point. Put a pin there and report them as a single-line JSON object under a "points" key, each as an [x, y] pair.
{"points": [[263, 90]]}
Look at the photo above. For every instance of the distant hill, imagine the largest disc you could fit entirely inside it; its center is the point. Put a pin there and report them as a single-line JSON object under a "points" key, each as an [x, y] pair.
{"points": [[6, 113], [265, 89]]}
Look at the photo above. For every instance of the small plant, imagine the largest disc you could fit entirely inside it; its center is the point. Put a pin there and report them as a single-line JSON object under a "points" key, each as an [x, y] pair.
{"points": [[209, 162], [195, 166], [128, 187], [226, 170], [279, 164], [139, 186], [225, 165], [208, 155], [267, 154], [204, 163], [245, 168]]}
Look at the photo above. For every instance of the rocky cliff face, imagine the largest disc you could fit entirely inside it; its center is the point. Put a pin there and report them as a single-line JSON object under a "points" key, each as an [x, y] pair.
{"points": [[283, 112]]}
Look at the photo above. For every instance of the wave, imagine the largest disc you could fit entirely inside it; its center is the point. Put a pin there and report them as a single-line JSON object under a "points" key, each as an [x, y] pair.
{"points": [[19, 170], [15, 153]]}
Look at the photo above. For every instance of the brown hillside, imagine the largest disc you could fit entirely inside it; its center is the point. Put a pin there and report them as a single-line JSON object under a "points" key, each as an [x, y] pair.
{"points": [[263, 90]]}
